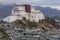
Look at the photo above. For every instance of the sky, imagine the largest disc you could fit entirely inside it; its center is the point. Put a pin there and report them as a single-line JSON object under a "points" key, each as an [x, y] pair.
{"points": [[45, 3]]}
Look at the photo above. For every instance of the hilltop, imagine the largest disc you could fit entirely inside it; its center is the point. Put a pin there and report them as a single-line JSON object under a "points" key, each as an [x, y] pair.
{"points": [[46, 24]]}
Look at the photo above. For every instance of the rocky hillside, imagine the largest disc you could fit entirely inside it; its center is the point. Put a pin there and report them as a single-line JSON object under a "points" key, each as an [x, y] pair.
{"points": [[46, 24], [42, 30]]}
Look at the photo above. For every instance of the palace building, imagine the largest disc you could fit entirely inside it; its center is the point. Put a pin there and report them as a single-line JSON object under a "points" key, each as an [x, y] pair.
{"points": [[27, 11]]}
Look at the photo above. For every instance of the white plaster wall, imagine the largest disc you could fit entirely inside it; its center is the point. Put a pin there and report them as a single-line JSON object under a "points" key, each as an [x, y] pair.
{"points": [[11, 18], [33, 16], [32, 9], [37, 16], [19, 13], [37, 11], [20, 7]]}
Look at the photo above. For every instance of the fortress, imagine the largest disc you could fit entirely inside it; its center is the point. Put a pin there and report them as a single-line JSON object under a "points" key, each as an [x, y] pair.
{"points": [[27, 11]]}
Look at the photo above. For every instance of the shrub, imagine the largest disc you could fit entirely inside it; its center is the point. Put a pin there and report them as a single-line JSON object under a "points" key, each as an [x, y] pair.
{"points": [[32, 24], [24, 18]]}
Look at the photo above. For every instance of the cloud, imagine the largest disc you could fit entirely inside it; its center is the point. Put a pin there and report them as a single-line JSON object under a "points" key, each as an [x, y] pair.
{"points": [[32, 2], [19, 1], [54, 7], [47, 3]]}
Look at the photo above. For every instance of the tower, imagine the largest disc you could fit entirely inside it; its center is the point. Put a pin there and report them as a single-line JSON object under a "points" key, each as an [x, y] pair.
{"points": [[28, 10]]}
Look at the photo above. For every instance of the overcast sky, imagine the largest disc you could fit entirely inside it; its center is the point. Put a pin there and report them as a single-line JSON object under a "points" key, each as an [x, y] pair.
{"points": [[44, 3]]}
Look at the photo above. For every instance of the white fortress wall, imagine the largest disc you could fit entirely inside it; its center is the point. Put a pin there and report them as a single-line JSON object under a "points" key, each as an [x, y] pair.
{"points": [[36, 16], [18, 12]]}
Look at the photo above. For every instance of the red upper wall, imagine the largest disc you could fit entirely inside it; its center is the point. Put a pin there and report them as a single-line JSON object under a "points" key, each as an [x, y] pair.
{"points": [[27, 8]]}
